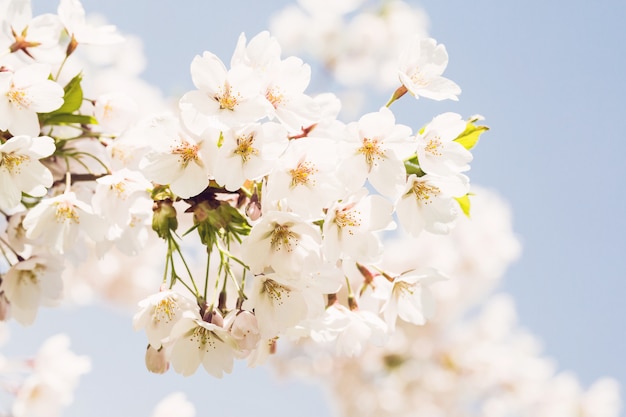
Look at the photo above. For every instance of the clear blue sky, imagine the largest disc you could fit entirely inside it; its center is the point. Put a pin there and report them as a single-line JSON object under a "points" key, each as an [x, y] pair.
{"points": [[549, 78]]}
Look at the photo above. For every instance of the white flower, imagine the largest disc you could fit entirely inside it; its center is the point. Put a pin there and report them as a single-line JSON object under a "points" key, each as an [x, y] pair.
{"points": [[58, 221], [410, 297], [244, 328], [21, 171], [37, 38], [437, 151], [159, 313], [178, 158], [375, 149], [25, 93], [114, 112], [283, 81], [427, 203], [305, 177], [56, 374], [354, 330], [350, 225], [196, 342], [421, 64], [224, 98], [72, 15], [121, 198], [249, 153], [282, 241], [277, 305], [30, 284]]}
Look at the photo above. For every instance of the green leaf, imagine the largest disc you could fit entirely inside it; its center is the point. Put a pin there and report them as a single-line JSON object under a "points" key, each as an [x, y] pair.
{"points": [[464, 202], [73, 97], [412, 166], [67, 118], [471, 134]]}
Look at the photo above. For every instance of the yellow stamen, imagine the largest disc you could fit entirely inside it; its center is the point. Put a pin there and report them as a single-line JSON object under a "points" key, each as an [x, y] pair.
{"points": [[65, 211], [302, 174], [187, 153], [372, 151], [19, 98], [283, 237], [244, 147], [227, 100], [11, 162], [424, 192]]}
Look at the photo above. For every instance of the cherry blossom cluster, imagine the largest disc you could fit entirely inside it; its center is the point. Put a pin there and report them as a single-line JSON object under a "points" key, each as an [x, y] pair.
{"points": [[286, 201], [461, 364], [41, 385], [358, 41], [293, 208]]}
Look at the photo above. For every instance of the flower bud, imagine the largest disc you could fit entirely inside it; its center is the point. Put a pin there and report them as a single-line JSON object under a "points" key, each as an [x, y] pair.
{"points": [[156, 360], [245, 330], [164, 218]]}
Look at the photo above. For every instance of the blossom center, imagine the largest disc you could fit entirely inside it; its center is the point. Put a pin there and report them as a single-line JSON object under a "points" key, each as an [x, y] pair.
{"points": [[29, 276], [228, 100], [19, 98], [12, 162], [419, 79], [301, 175], [165, 310], [204, 338], [403, 287], [282, 236], [244, 147], [274, 96], [275, 291], [347, 218], [65, 211], [186, 153], [433, 146], [372, 151], [119, 189], [424, 192]]}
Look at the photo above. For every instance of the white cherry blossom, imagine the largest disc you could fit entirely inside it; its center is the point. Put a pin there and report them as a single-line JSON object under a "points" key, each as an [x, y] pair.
{"points": [[421, 64], [305, 177], [374, 149], [278, 304], [284, 242], [58, 221], [179, 158], [21, 171], [411, 298], [32, 283], [427, 203], [224, 98], [72, 14], [160, 312], [196, 342], [249, 153], [349, 227], [437, 151], [23, 94]]}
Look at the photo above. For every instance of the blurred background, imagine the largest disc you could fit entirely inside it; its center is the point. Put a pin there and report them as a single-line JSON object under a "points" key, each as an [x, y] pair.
{"points": [[549, 78]]}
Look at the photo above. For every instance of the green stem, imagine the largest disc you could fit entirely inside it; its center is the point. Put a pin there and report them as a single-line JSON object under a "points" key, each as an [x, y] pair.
{"points": [[180, 253], [206, 276]]}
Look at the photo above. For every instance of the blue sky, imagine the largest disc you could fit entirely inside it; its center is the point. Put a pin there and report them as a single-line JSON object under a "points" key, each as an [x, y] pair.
{"points": [[549, 78]]}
